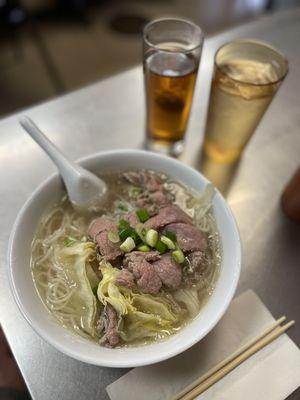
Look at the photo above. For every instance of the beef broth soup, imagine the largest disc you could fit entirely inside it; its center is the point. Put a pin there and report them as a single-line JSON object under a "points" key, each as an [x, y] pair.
{"points": [[135, 273]]}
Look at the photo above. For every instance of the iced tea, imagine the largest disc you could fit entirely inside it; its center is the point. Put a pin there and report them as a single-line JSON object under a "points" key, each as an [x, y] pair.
{"points": [[170, 80], [242, 89], [172, 49]]}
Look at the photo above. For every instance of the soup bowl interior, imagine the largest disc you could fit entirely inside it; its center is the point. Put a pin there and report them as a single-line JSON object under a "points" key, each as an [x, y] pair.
{"points": [[82, 349]]}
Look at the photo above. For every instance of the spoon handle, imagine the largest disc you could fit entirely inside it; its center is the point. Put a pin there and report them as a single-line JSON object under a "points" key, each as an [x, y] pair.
{"points": [[84, 188], [60, 160]]}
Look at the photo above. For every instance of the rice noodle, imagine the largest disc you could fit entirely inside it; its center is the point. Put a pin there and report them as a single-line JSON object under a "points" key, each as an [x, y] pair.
{"points": [[52, 282]]}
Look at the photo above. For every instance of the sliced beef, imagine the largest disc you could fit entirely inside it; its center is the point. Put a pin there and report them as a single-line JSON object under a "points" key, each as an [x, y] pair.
{"points": [[144, 179], [160, 197], [189, 237], [107, 248], [99, 225], [131, 260], [169, 271], [132, 218], [154, 195], [168, 215], [153, 201], [152, 270], [196, 259], [125, 278], [149, 281], [139, 264], [98, 230], [108, 322]]}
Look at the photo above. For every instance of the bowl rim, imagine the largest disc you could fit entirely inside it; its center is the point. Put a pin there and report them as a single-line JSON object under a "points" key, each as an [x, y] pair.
{"points": [[153, 358]]}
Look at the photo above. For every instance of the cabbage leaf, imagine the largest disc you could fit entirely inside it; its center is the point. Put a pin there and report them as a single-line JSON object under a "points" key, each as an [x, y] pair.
{"points": [[82, 304], [141, 315]]}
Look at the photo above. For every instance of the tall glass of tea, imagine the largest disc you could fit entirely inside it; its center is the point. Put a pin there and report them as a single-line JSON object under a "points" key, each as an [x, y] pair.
{"points": [[171, 55], [247, 74]]}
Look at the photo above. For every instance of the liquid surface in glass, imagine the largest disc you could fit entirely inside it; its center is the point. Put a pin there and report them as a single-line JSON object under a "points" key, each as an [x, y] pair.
{"points": [[170, 79], [240, 94]]}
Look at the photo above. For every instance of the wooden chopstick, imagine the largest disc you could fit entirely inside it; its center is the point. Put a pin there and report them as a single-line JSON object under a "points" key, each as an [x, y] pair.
{"points": [[228, 359], [237, 361], [229, 363]]}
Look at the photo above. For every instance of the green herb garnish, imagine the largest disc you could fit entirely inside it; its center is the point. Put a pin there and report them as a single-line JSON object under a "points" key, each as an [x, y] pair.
{"points": [[178, 256], [134, 191], [123, 224], [125, 233], [69, 241], [129, 232], [161, 247], [142, 214], [122, 207], [171, 235], [151, 237], [141, 231], [168, 242], [113, 237], [128, 245], [144, 248]]}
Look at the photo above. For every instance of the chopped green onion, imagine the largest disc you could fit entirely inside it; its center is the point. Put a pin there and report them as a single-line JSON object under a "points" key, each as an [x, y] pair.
{"points": [[122, 207], [94, 290], [161, 247], [178, 256], [123, 224], [134, 191], [69, 241], [151, 237], [140, 230], [171, 235], [142, 214], [128, 245], [168, 242], [129, 232], [144, 248], [125, 233], [113, 237], [138, 240]]}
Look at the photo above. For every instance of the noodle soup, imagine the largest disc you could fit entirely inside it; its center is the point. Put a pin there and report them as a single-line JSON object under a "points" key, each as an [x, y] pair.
{"points": [[138, 271]]}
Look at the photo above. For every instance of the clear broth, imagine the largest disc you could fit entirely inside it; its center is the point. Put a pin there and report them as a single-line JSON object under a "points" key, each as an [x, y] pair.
{"points": [[63, 221]]}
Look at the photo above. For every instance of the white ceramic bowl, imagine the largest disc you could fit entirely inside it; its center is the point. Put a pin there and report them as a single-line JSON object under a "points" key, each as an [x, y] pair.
{"points": [[40, 319]]}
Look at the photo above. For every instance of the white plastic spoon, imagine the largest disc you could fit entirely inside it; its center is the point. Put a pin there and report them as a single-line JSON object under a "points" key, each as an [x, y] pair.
{"points": [[85, 189]]}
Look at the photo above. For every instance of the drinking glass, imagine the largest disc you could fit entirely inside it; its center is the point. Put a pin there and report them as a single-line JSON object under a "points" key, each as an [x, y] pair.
{"points": [[171, 55], [247, 74]]}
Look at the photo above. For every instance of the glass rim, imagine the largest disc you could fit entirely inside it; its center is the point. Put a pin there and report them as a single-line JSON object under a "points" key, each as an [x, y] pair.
{"points": [[186, 21], [261, 44]]}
